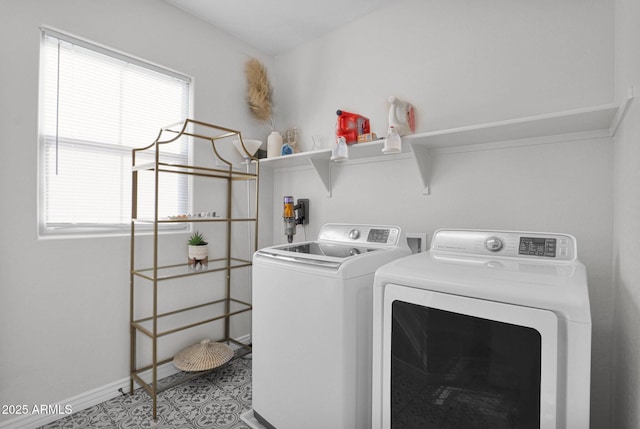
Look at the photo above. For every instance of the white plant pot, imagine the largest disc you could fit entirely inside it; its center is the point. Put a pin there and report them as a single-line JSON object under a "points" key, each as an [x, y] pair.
{"points": [[198, 255]]}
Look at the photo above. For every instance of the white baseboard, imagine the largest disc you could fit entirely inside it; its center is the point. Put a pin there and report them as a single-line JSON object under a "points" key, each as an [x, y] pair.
{"points": [[33, 420]]}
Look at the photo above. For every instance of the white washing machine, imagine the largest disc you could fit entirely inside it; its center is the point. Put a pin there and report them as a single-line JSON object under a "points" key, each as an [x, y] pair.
{"points": [[311, 334], [489, 329]]}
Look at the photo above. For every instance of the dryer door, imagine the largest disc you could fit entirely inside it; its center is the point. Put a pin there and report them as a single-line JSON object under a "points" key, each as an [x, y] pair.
{"points": [[456, 362]]}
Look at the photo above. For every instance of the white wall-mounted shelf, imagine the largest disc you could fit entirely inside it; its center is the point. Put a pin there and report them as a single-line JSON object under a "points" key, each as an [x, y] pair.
{"points": [[592, 122]]}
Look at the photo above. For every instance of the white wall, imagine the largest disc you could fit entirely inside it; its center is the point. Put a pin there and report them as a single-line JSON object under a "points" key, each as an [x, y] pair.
{"points": [[459, 62], [64, 302], [626, 250], [463, 63]]}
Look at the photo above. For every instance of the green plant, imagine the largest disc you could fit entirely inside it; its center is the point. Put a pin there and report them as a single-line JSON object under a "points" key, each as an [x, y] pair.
{"points": [[197, 239]]}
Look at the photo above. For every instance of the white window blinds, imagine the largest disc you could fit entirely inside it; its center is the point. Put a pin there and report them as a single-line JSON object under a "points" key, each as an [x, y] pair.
{"points": [[97, 104]]}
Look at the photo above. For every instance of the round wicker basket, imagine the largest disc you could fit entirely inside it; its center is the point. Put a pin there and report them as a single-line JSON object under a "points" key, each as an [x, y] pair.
{"points": [[203, 356]]}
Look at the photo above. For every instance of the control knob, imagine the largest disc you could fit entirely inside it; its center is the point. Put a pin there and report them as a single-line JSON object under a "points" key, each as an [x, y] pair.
{"points": [[354, 234], [493, 244]]}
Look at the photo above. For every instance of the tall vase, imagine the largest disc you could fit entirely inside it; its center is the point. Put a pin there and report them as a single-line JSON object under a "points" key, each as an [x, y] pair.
{"points": [[274, 144]]}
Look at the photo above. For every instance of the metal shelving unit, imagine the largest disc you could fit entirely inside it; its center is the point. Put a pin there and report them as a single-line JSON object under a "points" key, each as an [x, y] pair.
{"points": [[155, 324]]}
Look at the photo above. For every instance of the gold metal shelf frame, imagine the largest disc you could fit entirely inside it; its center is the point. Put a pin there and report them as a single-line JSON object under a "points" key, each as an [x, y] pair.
{"points": [[221, 309]]}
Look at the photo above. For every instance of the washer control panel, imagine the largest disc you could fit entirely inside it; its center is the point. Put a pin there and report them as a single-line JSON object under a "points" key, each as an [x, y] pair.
{"points": [[529, 245], [360, 234], [538, 246], [494, 244]]}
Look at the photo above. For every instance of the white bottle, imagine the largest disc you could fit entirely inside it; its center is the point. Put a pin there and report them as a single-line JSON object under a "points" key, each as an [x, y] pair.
{"points": [[340, 151], [274, 144], [393, 142]]}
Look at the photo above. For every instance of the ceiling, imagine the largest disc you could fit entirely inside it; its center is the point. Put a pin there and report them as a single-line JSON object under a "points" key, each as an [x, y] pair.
{"points": [[276, 26]]}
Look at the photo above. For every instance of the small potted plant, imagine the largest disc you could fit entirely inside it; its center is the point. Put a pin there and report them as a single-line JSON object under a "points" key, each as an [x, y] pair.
{"points": [[198, 250]]}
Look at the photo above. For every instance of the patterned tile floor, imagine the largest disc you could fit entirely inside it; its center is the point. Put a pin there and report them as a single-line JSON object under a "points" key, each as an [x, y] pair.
{"points": [[213, 400]]}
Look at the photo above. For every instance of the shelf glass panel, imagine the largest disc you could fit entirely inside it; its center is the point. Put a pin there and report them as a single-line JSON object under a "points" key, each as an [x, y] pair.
{"points": [[143, 378], [189, 317], [220, 173], [184, 270], [195, 219]]}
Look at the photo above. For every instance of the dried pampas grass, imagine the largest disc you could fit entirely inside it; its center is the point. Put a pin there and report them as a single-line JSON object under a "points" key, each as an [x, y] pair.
{"points": [[258, 90]]}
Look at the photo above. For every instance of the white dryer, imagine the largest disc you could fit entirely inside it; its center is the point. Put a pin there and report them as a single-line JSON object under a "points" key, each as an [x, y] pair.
{"points": [[312, 327], [489, 329]]}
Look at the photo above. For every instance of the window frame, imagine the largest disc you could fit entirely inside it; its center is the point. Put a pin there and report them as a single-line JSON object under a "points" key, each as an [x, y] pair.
{"points": [[88, 229]]}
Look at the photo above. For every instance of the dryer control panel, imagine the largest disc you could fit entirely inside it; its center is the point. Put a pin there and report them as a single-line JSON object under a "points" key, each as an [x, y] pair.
{"points": [[514, 244]]}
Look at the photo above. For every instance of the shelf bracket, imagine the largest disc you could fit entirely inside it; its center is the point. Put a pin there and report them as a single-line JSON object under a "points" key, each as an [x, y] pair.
{"points": [[622, 111], [322, 167], [422, 156]]}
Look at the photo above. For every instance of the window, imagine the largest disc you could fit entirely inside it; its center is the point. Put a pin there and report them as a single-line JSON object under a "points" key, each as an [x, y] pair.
{"points": [[95, 106]]}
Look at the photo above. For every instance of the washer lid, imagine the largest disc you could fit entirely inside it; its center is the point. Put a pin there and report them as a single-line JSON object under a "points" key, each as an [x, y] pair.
{"points": [[327, 249], [316, 253], [340, 243]]}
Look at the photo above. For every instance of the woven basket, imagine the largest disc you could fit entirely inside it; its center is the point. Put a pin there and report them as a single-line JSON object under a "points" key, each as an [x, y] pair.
{"points": [[203, 356]]}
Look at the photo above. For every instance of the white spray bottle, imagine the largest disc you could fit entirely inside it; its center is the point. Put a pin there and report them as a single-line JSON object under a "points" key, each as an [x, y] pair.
{"points": [[402, 116]]}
